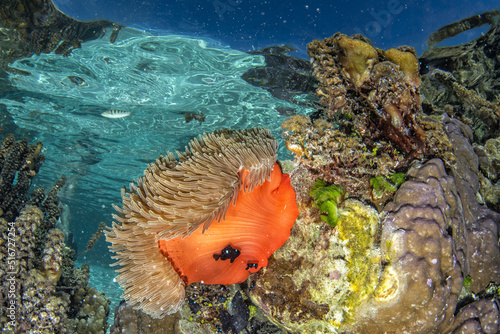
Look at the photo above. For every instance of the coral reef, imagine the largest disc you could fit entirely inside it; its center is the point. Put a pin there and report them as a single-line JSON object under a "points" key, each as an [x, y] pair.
{"points": [[316, 281], [481, 223], [19, 163], [400, 272], [478, 317], [423, 274], [343, 159], [376, 91], [209, 309], [41, 291], [404, 271]]}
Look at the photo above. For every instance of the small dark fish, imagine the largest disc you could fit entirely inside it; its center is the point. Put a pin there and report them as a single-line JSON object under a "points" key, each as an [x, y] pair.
{"points": [[115, 113], [77, 80], [189, 116], [228, 253]]}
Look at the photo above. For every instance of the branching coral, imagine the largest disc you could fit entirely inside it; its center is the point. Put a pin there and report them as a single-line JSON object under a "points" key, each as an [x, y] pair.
{"points": [[19, 163], [40, 281]]}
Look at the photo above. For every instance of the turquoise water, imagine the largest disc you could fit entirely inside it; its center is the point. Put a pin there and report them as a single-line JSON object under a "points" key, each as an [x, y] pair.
{"points": [[157, 79]]}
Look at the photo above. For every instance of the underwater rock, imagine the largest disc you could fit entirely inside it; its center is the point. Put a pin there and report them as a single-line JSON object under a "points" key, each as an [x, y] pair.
{"points": [[284, 76], [376, 90], [464, 79], [38, 27]]}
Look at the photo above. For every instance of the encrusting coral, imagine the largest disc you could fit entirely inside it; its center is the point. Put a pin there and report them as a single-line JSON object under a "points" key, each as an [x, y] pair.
{"points": [[212, 216], [21, 162], [39, 286]]}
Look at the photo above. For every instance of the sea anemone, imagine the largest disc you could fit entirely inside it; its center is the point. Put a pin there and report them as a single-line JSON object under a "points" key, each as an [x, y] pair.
{"points": [[213, 216]]}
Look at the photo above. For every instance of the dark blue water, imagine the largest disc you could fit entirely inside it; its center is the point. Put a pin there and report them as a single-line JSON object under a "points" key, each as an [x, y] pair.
{"points": [[247, 25]]}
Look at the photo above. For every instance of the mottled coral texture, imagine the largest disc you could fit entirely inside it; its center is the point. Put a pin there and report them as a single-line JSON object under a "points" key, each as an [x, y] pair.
{"points": [[434, 234], [38, 278], [423, 271], [480, 240]]}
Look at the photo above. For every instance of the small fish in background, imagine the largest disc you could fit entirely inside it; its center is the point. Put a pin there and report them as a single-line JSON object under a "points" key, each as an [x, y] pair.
{"points": [[189, 116], [115, 113]]}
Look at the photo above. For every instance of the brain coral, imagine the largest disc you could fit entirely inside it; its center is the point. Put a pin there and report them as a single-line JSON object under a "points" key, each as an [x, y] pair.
{"points": [[212, 216]]}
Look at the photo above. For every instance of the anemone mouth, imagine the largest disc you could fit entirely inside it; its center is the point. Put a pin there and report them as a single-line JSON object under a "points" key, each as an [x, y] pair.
{"points": [[177, 198]]}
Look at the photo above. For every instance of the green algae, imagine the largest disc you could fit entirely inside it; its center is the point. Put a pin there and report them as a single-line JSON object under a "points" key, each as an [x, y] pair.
{"points": [[383, 185], [327, 198]]}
